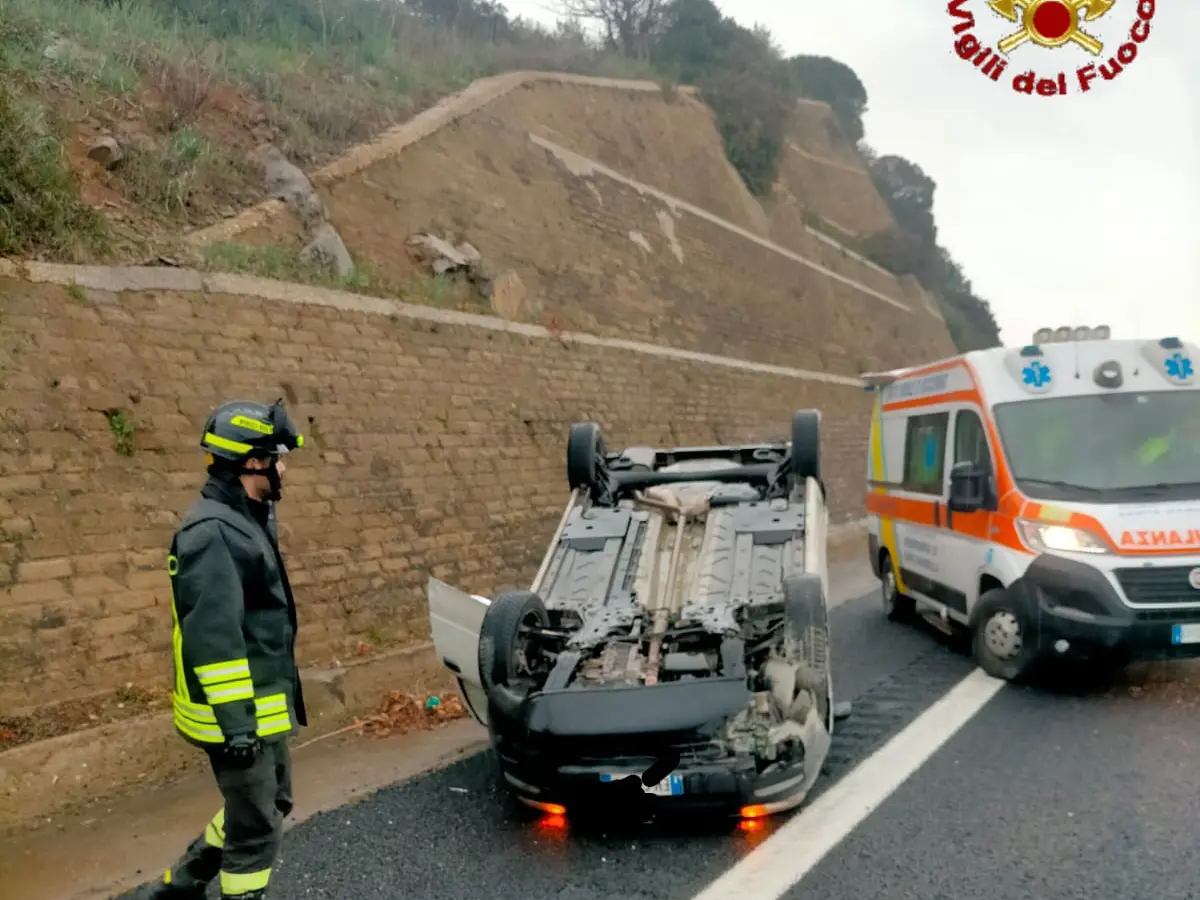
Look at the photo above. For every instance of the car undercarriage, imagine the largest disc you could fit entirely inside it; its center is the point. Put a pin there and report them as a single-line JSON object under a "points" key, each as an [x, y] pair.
{"points": [[674, 644]]}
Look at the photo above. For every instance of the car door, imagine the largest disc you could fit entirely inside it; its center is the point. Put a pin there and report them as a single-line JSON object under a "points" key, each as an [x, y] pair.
{"points": [[456, 619], [967, 536]]}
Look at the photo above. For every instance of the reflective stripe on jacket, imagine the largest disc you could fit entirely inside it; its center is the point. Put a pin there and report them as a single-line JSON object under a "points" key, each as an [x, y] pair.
{"points": [[235, 621]]}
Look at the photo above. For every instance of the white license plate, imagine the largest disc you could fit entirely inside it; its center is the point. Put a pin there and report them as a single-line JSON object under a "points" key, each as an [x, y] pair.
{"points": [[671, 786], [1186, 634]]}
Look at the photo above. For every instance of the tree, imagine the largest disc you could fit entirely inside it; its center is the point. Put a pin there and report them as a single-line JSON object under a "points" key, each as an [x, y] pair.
{"points": [[741, 76], [829, 81], [913, 249], [908, 192], [628, 26], [900, 252], [751, 110], [693, 37], [484, 19]]}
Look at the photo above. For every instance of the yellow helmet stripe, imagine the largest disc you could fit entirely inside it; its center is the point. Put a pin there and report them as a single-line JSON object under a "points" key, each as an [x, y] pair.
{"points": [[215, 440]]}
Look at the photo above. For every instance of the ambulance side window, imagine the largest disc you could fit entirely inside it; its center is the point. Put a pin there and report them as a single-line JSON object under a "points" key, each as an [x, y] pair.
{"points": [[970, 441], [925, 453]]}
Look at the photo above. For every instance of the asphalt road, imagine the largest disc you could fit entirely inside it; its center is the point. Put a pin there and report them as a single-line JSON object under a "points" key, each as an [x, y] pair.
{"points": [[1039, 795]]}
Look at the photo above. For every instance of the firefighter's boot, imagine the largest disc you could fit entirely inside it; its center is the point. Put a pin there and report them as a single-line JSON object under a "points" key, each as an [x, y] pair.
{"points": [[189, 878]]}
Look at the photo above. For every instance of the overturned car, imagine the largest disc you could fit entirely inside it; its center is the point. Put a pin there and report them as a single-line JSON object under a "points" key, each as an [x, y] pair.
{"points": [[673, 649]]}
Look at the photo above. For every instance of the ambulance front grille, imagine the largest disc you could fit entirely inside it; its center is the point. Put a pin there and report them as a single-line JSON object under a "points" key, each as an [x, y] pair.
{"points": [[1174, 616], [1169, 584]]}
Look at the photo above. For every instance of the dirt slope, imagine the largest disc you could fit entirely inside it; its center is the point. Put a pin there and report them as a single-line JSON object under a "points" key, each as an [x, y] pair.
{"points": [[665, 139], [479, 171]]}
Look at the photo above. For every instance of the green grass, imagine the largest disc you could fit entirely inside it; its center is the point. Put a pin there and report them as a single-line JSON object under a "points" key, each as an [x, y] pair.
{"points": [[329, 74], [41, 213], [385, 62], [282, 263], [162, 180]]}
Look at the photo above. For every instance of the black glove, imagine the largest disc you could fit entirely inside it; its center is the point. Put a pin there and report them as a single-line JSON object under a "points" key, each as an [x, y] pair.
{"points": [[241, 750]]}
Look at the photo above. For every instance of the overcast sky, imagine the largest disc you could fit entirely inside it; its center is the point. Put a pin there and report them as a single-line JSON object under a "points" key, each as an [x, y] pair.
{"points": [[1080, 209]]}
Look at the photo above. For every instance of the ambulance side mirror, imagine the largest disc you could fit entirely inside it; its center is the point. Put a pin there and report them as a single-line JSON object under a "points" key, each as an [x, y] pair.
{"points": [[968, 485]]}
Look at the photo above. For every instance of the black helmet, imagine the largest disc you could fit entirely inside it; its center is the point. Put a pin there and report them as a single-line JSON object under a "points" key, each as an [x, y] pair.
{"points": [[241, 429]]}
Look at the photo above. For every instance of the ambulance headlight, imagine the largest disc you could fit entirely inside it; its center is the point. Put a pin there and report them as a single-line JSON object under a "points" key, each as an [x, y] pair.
{"points": [[1059, 538]]}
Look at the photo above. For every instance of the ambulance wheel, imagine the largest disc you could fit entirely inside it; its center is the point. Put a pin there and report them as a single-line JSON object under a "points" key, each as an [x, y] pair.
{"points": [[1001, 639], [507, 650], [896, 606]]}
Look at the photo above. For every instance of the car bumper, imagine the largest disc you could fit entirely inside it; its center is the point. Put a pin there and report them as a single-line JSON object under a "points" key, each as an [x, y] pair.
{"points": [[731, 786], [586, 750], [1075, 603]]}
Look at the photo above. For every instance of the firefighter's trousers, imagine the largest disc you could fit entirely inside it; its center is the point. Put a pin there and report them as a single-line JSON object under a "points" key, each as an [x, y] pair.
{"points": [[241, 842]]}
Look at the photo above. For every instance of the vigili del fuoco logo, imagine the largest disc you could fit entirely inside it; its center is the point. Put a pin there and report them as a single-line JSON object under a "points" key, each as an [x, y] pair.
{"points": [[1110, 32]]}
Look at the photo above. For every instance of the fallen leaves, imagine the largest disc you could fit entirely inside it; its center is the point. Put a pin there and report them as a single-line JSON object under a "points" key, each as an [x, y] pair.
{"points": [[57, 718], [402, 712]]}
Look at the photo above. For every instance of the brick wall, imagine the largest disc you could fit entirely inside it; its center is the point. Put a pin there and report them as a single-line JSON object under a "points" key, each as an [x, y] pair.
{"points": [[436, 448]]}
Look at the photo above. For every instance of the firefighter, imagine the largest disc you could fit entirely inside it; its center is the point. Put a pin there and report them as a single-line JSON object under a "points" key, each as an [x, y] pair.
{"points": [[237, 689]]}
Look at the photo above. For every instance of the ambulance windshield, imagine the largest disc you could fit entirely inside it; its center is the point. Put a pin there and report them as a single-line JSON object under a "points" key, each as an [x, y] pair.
{"points": [[1104, 448]]}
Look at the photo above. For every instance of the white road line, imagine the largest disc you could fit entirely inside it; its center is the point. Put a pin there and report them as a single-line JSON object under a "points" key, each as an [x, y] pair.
{"points": [[796, 848]]}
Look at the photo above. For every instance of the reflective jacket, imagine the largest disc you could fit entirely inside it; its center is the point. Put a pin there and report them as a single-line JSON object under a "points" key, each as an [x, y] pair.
{"points": [[235, 621]]}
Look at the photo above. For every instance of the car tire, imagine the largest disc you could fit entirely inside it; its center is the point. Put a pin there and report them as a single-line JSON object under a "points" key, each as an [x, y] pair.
{"points": [[806, 444], [897, 606], [585, 456], [806, 639], [500, 635], [1002, 641]]}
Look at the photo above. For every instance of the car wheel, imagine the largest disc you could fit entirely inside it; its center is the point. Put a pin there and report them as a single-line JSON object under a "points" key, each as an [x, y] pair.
{"points": [[806, 639], [1001, 638], [585, 456], [896, 605], [806, 444], [505, 648]]}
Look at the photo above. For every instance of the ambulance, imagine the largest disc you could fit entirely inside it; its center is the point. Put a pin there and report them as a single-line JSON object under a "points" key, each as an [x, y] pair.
{"points": [[1043, 501]]}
